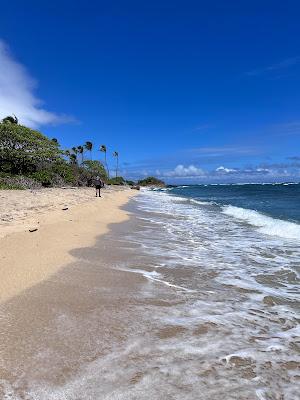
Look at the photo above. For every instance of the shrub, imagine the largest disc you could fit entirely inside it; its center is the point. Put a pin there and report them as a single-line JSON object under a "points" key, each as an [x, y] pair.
{"points": [[65, 172], [8, 181], [151, 181], [119, 180], [10, 186], [45, 177]]}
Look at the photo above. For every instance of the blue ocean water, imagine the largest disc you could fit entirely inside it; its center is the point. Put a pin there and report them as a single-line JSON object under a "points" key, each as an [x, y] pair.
{"points": [[281, 201]]}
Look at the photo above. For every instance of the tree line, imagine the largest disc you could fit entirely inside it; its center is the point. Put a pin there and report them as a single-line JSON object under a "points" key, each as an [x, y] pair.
{"points": [[29, 153]]}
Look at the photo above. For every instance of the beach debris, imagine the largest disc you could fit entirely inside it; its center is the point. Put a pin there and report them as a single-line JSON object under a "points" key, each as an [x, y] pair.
{"points": [[135, 187], [33, 229], [65, 208]]}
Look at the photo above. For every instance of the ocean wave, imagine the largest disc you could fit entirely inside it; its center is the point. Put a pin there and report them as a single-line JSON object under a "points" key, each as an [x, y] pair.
{"points": [[202, 203], [266, 224]]}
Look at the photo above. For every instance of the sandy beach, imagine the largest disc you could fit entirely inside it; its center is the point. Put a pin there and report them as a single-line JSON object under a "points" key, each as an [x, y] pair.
{"points": [[64, 218], [156, 307]]}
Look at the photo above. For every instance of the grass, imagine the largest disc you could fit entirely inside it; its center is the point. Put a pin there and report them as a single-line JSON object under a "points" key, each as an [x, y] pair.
{"points": [[10, 186]]}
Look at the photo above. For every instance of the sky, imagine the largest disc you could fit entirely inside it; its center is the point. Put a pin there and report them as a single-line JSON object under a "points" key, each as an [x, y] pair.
{"points": [[188, 91]]}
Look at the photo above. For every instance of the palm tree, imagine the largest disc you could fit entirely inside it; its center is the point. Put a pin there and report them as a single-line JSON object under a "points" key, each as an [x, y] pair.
{"points": [[103, 149], [116, 154], [89, 146], [73, 158], [67, 153], [12, 119], [80, 150]]}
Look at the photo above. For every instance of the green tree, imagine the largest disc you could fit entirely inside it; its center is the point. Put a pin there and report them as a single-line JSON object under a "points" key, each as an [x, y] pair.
{"points": [[73, 158], [11, 119], [67, 153], [95, 168], [89, 147], [25, 150], [116, 155], [151, 181], [80, 151], [104, 150]]}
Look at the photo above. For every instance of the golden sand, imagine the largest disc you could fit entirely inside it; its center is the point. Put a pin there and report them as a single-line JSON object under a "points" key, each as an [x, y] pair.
{"points": [[27, 258]]}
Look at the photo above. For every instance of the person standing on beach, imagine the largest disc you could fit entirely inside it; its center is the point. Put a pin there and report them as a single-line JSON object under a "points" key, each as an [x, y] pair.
{"points": [[98, 185]]}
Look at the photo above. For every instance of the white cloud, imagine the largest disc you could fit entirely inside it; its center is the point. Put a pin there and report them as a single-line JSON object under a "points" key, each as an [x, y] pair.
{"points": [[224, 170], [182, 171], [17, 94]]}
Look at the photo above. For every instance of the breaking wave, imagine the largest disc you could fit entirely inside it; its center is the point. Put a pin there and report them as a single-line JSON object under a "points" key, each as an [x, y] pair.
{"points": [[266, 224]]}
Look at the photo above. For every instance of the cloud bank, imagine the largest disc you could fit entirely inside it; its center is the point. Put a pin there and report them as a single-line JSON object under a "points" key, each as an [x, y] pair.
{"points": [[262, 173], [181, 171], [17, 94]]}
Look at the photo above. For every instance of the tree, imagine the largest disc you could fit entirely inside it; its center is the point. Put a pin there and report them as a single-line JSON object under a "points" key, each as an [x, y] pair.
{"points": [[116, 154], [11, 119], [24, 150], [151, 181], [73, 158], [95, 168], [104, 150], [89, 147], [80, 151]]}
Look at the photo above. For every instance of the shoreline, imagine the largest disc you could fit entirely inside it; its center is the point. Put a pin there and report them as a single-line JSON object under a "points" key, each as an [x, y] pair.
{"points": [[144, 311], [27, 258]]}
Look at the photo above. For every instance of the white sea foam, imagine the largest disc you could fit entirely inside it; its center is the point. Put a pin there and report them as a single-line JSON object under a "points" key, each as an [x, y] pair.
{"points": [[243, 294], [266, 224], [154, 276], [202, 203]]}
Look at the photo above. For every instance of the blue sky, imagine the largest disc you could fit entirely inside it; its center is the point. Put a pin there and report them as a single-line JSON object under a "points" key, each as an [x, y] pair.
{"points": [[190, 91]]}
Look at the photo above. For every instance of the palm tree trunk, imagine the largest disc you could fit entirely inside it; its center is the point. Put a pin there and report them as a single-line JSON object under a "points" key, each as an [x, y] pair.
{"points": [[117, 166], [106, 166]]}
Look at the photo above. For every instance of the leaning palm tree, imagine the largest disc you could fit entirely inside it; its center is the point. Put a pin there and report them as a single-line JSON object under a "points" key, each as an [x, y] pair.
{"points": [[116, 154], [12, 119], [80, 150], [103, 149], [89, 146]]}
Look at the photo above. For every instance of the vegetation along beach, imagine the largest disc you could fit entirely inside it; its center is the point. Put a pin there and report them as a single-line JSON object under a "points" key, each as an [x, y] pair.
{"points": [[149, 200]]}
